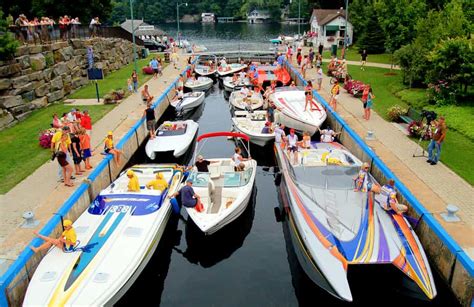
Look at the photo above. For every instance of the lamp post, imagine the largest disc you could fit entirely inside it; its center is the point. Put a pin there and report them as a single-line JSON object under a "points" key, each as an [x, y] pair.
{"points": [[346, 36], [177, 19], [299, 18], [135, 66]]}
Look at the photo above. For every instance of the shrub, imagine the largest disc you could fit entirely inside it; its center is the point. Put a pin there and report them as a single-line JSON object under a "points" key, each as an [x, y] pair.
{"points": [[416, 128], [441, 93], [8, 43], [394, 113]]}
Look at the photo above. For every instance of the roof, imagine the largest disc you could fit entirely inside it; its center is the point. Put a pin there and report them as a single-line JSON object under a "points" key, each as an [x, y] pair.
{"points": [[127, 24], [141, 27], [325, 16]]}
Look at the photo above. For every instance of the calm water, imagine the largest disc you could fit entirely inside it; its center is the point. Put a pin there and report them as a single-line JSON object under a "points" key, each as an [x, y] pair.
{"points": [[251, 262], [232, 36]]}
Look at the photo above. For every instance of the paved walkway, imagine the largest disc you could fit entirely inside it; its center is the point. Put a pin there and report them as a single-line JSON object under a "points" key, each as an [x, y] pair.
{"points": [[434, 186], [43, 194]]}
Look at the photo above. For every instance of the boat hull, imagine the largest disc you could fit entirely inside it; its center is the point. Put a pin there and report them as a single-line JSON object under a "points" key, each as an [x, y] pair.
{"points": [[257, 138], [233, 69], [202, 86], [189, 102]]}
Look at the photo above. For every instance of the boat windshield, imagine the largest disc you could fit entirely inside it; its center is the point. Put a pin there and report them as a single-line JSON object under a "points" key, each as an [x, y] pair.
{"points": [[200, 179], [237, 179], [332, 177]]}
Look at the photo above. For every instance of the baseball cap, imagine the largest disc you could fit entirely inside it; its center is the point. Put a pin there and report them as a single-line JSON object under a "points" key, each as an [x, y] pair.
{"points": [[67, 223]]}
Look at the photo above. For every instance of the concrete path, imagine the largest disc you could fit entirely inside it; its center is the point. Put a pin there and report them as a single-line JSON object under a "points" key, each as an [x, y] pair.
{"points": [[43, 194], [434, 186]]}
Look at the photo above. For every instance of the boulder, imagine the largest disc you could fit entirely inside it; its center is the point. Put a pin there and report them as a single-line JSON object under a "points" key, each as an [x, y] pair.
{"points": [[33, 49], [38, 62], [80, 52], [56, 83], [56, 46], [30, 86], [76, 82], [28, 96], [20, 81], [20, 109], [23, 116], [71, 64], [54, 96], [40, 102], [5, 84], [49, 58], [47, 47], [77, 43], [7, 102], [26, 72], [24, 61], [67, 53], [6, 119], [48, 74], [60, 69], [37, 75], [66, 78], [9, 70], [75, 72], [21, 50], [42, 90], [67, 88]]}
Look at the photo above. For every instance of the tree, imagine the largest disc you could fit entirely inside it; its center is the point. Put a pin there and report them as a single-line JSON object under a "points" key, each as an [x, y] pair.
{"points": [[8, 43], [360, 12], [413, 62], [372, 38], [56, 8]]}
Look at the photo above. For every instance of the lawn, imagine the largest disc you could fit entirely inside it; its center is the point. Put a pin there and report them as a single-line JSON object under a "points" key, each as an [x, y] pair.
{"points": [[354, 55], [115, 80], [20, 152], [458, 149]]}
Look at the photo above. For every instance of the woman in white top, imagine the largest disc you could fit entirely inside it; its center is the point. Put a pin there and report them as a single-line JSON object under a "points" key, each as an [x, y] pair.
{"points": [[293, 145], [327, 135], [239, 166]]}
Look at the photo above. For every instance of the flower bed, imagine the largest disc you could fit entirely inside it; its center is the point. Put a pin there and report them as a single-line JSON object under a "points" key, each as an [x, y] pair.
{"points": [[45, 137], [354, 87]]}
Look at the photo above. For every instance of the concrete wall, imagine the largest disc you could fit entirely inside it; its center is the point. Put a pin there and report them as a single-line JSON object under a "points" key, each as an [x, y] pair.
{"points": [[445, 255]]}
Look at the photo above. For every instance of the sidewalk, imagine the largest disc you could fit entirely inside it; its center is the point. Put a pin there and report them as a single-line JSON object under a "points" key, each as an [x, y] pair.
{"points": [[41, 193], [434, 186]]}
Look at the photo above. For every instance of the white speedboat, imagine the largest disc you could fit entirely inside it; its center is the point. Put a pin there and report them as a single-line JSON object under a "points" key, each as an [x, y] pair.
{"points": [[174, 136], [290, 103], [205, 70], [252, 124], [224, 192], [230, 69], [199, 84], [230, 85], [241, 101], [188, 102], [116, 237], [332, 226]]}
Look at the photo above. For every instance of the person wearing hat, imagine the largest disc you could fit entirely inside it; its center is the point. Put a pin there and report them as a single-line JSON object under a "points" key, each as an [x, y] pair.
{"points": [[189, 198], [361, 178], [390, 198], [202, 165], [159, 183], [133, 184], [110, 149], [67, 241], [267, 129], [293, 145]]}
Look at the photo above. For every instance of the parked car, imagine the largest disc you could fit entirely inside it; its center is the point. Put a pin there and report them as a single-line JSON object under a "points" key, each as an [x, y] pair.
{"points": [[154, 45]]}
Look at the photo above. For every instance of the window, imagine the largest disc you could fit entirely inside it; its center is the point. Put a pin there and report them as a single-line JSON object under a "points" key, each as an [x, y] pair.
{"points": [[330, 33]]}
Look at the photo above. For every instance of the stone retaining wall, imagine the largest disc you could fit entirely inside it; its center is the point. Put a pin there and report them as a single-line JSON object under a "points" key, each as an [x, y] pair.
{"points": [[42, 74]]}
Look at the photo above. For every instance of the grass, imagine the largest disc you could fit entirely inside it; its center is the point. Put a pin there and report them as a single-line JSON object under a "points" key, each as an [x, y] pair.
{"points": [[20, 152], [115, 80], [353, 54], [458, 148]]}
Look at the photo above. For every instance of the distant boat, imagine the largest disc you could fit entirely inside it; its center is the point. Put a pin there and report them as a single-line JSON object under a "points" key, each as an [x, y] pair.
{"points": [[238, 100], [199, 84], [190, 101], [208, 18], [269, 73], [252, 125]]}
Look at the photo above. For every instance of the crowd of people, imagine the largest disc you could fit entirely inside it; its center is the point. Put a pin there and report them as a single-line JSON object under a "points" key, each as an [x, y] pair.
{"points": [[46, 29]]}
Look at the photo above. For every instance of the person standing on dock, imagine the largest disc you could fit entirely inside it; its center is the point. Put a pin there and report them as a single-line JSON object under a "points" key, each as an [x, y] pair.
{"points": [[174, 59], [134, 77], [154, 65], [189, 198], [149, 115], [289, 54], [311, 57], [334, 94], [363, 59]]}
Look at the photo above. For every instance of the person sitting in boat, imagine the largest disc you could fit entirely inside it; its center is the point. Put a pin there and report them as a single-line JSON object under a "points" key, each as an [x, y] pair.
{"points": [[235, 79], [273, 85], [280, 134], [159, 183], [292, 84], [360, 180], [267, 129], [293, 145], [188, 197], [239, 166], [193, 78], [66, 242], [327, 135], [202, 164], [133, 184], [390, 201], [244, 91], [270, 115], [179, 94], [223, 64], [306, 142]]}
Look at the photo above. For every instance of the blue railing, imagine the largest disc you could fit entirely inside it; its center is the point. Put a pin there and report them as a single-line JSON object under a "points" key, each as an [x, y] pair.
{"points": [[48, 228], [452, 245]]}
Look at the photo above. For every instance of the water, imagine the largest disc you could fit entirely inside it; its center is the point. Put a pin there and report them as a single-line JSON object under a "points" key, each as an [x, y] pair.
{"points": [[251, 262], [232, 36]]}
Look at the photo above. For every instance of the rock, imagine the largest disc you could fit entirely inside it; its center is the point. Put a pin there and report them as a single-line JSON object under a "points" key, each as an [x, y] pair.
{"points": [[9, 70], [37, 75], [7, 102], [28, 96], [23, 116], [71, 64], [66, 78], [33, 49], [42, 90], [49, 58], [21, 50], [75, 72], [77, 43], [27, 88], [56, 46], [48, 74], [24, 61], [40, 102], [20, 81], [54, 96], [66, 53], [26, 72], [76, 82], [56, 83], [38, 62], [67, 88], [5, 84], [80, 52], [20, 109], [47, 47], [6, 119], [60, 69]]}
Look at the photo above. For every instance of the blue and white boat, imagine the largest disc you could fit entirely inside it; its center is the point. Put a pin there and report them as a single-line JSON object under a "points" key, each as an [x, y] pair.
{"points": [[116, 236]]}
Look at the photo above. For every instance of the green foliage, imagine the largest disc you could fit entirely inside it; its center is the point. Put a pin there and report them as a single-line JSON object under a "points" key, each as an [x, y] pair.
{"points": [[359, 11], [394, 113], [305, 9], [412, 61], [372, 38], [8, 43]]}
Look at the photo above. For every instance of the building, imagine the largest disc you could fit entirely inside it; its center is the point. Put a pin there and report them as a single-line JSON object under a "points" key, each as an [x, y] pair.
{"points": [[258, 16], [142, 29], [329, 28], [208, 18]]}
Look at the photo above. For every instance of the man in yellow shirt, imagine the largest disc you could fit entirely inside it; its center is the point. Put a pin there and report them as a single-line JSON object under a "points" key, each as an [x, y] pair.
{"points": [[67, 241], [55, 141], [133, 184], [158, 184]]}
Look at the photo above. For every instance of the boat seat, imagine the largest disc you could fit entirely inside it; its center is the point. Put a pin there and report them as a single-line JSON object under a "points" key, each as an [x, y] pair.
{"points": [[227, 169], [214, 170]]}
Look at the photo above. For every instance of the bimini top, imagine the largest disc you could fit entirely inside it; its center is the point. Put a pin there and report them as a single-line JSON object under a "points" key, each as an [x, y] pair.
{"points": [[222, 133]]}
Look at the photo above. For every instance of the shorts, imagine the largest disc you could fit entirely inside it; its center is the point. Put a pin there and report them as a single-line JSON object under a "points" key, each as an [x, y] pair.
{"points": [[155, 70], [319, 81], [107, 150], [76, 159], [150, 125], [191, 204], [293, 148], [145, 100], [369, 104], [68, 248], [365, 105], [61, 156], [86, 153]]}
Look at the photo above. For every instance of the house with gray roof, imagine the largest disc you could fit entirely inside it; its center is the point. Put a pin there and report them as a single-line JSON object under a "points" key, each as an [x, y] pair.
{"points": [[329, 27]]}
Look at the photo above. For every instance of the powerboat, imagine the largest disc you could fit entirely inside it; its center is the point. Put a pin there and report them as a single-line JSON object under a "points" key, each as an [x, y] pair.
{"points": [[334, 226], [230, 69], [230, 85], [224, 192], [188, 102], [270, 73], [252, 124], [290, 103], [241, 101], [174, 136], [199, 84], [116, 237], [207, 66]]}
